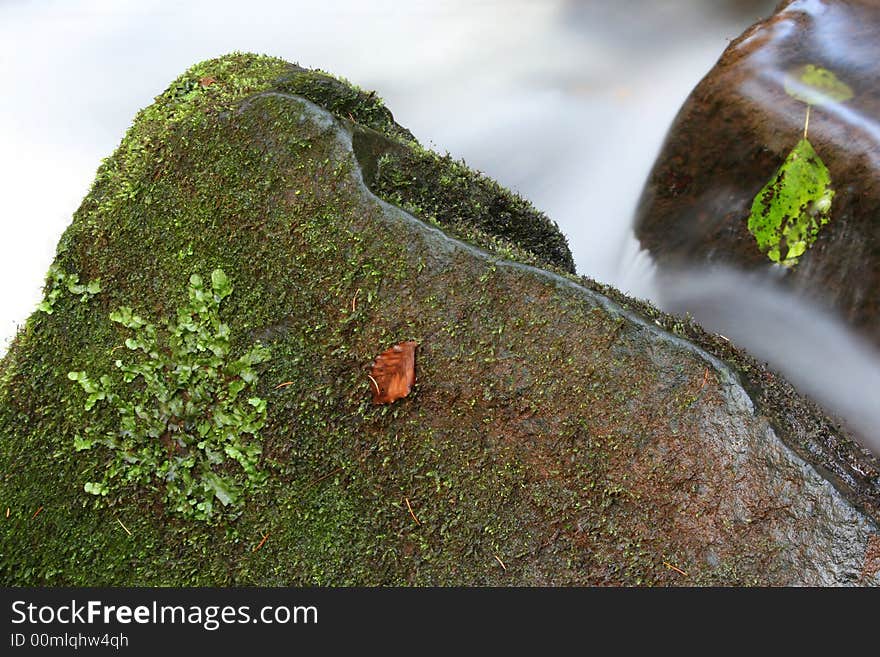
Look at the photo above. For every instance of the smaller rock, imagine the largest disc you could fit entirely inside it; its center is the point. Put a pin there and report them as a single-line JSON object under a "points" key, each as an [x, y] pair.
{"points": [[795, 101]]}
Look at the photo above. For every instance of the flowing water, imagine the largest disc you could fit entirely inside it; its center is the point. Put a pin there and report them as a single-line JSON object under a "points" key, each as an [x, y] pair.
{"points": [[814, 349]]}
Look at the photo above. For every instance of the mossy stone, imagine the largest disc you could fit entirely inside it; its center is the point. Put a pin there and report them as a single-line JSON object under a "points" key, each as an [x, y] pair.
{"points": [[550, 429]]}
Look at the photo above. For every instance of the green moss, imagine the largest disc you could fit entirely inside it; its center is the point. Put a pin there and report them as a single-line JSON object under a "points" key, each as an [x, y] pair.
{"points": [[344, 100], [184, 426], [798, 421], [513, 448], [439, 189]]}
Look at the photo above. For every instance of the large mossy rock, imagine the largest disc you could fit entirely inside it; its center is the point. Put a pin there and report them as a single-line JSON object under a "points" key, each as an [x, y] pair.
{"points": [[743, 124], [552, 437]]}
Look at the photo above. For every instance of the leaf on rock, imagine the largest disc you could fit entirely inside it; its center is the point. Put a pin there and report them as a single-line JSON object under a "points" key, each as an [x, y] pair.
{"points": [[789, 211], [815, 85], [393, 373]]}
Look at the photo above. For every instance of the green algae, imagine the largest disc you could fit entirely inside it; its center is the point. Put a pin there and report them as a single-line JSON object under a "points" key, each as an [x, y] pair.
{"points": [[183, 422]]}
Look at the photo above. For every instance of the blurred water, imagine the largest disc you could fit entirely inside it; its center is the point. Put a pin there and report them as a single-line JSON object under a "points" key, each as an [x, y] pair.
{"points": [[807, 343], [565, 101]]}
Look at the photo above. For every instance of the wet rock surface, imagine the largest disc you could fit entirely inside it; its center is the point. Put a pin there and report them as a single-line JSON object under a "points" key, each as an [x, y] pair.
{"points": [[553, 436], [737, 128]]}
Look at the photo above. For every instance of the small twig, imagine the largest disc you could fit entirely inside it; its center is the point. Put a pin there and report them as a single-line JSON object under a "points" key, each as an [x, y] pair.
{"points": [[123, 526], [260, 544], [375, 383], [408, 506], [323, 477], [807, 120], [7, 511], [671, 567], [498, 559], [354, 300], [36, 513], [283, 385], [705, 378]]}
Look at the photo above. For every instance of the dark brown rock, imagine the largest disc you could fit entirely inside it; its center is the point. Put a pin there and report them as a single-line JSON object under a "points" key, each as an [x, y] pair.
{"points": [[737, 128]]}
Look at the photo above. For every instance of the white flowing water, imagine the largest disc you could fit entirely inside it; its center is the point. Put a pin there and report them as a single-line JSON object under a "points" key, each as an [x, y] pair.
{"points": [[814, 349]]}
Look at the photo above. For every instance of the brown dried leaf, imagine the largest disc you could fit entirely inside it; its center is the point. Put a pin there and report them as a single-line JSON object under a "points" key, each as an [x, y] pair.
{"points": [[394, 373]]}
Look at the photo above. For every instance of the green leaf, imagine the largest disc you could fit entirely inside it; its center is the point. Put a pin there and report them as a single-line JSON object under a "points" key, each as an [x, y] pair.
{"points": [[94, 398], [95, 488], [120, 315], [235, 387], [815, 85], [789, 211], [80, 443], [127, 318], [72, 284], [55, 274], [224, 491], [220, 283]]}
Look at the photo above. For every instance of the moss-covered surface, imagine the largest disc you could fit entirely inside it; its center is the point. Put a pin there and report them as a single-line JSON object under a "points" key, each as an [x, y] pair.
{"points": [[435, 188], [548, 440], [439, 189], [823, 441], [344, 99]]}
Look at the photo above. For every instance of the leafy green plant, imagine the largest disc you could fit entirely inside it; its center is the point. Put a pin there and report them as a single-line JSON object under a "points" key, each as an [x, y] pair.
{"points": [[58, 280], [790, 210], [186, 426]]}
